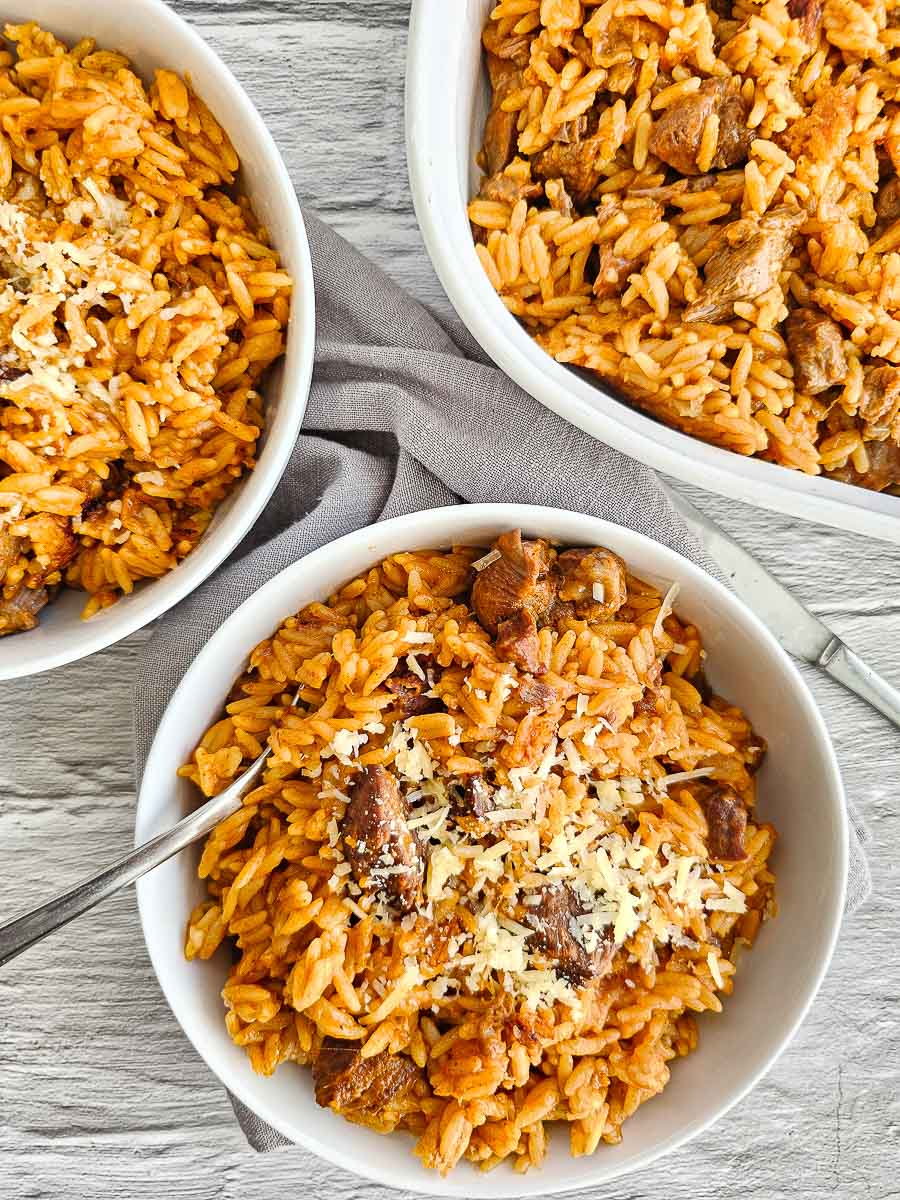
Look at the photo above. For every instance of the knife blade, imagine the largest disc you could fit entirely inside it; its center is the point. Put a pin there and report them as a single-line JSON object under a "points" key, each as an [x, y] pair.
{"points": [[800, 632]]}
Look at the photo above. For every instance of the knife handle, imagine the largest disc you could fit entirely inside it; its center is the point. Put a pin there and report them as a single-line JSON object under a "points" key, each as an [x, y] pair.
{"points": [[849, 669]]}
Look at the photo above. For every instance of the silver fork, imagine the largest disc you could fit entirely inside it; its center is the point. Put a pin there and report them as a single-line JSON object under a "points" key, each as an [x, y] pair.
{"points": [[30, 927]]}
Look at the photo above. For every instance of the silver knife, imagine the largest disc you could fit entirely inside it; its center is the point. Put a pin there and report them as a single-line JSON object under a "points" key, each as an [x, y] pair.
{"points": [[795, 627]]}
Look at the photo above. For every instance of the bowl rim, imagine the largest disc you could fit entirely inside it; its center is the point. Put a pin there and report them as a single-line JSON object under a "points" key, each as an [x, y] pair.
{"points": [[157, 596], [508, 515], [431, 86]]}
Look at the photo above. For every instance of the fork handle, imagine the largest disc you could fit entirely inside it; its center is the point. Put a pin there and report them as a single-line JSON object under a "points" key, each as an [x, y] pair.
{"points": [[848, 668], [23, 931]]}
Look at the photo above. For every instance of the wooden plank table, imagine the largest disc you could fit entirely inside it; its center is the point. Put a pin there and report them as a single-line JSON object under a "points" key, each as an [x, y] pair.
{"points": [[100, 1092]]}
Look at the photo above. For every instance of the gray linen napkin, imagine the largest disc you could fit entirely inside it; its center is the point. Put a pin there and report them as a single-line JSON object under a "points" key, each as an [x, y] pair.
{"points": [[407, 413]]}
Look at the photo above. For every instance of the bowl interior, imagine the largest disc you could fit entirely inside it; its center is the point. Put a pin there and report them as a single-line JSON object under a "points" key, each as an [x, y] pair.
{"points": [[447, 97], [800, 792], [152, 37]]}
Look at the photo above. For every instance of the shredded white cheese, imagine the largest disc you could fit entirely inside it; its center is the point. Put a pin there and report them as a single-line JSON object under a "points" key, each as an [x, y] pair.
{"points": [[490, 557], [345, 746], [733, 901], [665, 609], [411, 756], [712, 960], [430, 822], [683, 777], [414, 665], [575, 762], [590, 736], [443, 864], [499, 815]]}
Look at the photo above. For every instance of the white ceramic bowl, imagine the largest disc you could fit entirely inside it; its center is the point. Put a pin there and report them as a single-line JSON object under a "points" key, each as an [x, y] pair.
{"points": [[151, 35], [447, 97], [800, 791]]}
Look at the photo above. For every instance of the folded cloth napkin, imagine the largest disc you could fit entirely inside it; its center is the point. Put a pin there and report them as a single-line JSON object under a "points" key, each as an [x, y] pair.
{"points": [[406, 413]]}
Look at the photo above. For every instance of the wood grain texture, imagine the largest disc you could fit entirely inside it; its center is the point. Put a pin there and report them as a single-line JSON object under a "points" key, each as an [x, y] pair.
{"points": [[100, 1093]]}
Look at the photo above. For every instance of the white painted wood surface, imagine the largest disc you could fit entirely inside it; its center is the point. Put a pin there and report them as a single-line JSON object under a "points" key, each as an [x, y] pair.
{"points": [[100, 1093]]}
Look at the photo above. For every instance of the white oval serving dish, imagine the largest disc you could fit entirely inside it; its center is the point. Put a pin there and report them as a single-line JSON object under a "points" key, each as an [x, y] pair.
{"points": [[800, 792], [447, 97], [152, 36]]}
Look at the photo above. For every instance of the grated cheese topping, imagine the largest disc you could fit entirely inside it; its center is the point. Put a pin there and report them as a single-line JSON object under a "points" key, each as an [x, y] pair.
{"points": [[415, 666], [411, 757], [345, 746], [498, 868], [712, 960], [684, 777], [620, 882], [733, 900]]}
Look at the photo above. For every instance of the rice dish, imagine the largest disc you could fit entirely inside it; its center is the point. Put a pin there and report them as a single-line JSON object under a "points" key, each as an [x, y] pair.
{"points": [[140, 305], [701, 205], [504, 850]]}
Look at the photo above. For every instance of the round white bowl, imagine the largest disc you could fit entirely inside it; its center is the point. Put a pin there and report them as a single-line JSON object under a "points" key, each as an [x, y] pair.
{"points": [[800, 792], [152, 36], [447, 96]]}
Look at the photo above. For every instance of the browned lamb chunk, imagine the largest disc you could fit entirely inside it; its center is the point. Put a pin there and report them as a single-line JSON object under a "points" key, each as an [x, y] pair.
{"points": [[572, 131], [505, 61], [50, 540], [883, 472], [754, 753], [19, 613], [558, 198], [8, 373], [500, 136], [517, 642], [378, 840], [880, 401], [677, 135], [594, 581], [577, 163], [727, 821], [10, 549], [410, 692], [887, 204], [537, 695], [53, 543], [612, 273], [508, 187], [515, 48], [519, 579], [347, 1082], [557, 936], [475, 799], [646, 706], [809, 14], [817, 350], [747, 263]]}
